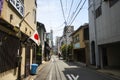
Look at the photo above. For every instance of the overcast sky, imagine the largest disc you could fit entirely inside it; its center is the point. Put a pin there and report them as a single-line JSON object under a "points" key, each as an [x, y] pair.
{"points": [[49, 13]]}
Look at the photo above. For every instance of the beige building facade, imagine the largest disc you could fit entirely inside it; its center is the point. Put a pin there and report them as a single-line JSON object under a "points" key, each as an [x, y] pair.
{"points": [[81, 44], [17, 51]]}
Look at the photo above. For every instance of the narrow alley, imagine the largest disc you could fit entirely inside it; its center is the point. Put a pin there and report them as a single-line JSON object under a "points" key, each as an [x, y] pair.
{"points": [[57, 69], [59, 40]]}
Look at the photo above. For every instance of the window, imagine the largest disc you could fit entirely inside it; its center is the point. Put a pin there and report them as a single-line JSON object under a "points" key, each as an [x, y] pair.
{"points": [[98, 11], [8, 52], [76, 38], [73, 39], [112, 2], [86, 34]]}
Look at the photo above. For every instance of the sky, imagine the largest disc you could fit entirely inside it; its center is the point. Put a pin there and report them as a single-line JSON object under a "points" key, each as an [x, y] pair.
{"points": [[49, 12]]}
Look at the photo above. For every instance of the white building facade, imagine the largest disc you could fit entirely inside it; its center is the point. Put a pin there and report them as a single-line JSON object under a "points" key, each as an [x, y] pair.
{"points": [[104, 22]]}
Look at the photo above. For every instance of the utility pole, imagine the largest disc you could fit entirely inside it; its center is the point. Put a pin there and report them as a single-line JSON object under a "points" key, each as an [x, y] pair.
{"points": [[66, 43], [65, 37]]}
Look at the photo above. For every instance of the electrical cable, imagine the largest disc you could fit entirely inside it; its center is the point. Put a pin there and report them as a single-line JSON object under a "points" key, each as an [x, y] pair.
{"points": [[75, 11], [70, 9], [63, 11], [78, 12]]}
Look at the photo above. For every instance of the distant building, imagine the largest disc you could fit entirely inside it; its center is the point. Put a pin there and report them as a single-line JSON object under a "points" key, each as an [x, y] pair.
{"points": [[58, 44], [104, 26], [49, 44], [42, 33], [49, 37], [65, 40], [55, 50], [66, 33]]}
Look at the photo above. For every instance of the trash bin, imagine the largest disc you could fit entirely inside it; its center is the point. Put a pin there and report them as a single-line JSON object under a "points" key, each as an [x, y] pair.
{"points": [[34, 68]]}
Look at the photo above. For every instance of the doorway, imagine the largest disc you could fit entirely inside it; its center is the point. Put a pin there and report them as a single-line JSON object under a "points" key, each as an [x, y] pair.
{"points": [[104, 56], [93, 52]]}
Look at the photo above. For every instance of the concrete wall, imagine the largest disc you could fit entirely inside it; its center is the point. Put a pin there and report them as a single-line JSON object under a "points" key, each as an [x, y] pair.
{"points": [[92, 33], [87, 52], [108, 24], [105, 28], [93, 29]]}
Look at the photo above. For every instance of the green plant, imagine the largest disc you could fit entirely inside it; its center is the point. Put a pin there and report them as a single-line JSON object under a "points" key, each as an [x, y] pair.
{"points": [[39, 50], [39, 54], [63, 50], [70, 47]]}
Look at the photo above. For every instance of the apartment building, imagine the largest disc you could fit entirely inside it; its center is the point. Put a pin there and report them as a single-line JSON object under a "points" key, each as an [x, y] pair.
{"points": [[104, 22], [17, 24], [49, 36], [80, 43]]}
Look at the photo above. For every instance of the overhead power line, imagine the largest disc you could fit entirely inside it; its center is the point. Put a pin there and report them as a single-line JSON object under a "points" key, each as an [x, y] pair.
{"points": [[75, 11], [66, 5], [78, 12], [70, 10], [63, 11]]}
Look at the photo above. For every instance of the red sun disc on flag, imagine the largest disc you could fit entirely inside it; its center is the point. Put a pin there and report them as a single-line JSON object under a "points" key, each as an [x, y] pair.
{"points": [[36, 36]]}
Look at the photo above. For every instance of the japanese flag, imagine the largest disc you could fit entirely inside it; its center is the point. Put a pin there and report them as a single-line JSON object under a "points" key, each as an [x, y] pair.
{"points": [[35, 37]]}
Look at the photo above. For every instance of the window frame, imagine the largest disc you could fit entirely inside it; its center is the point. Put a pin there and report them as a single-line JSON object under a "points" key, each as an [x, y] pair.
{"points": [[76, 38], [98, 12]]}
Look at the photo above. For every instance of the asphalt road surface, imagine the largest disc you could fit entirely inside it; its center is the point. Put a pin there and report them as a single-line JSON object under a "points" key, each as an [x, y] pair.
{"points": [[57, 69]]}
